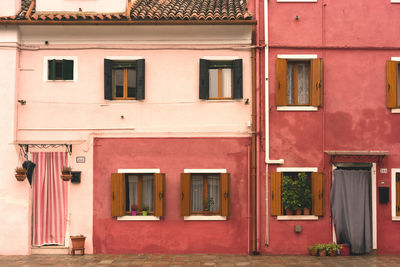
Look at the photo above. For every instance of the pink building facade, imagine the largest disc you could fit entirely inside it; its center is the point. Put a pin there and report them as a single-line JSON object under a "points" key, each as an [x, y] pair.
{"points": [[155, 117], [332, 105]]}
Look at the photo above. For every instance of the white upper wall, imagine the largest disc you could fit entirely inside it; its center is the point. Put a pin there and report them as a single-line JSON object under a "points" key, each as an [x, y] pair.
{"points": [[100, 6], [9, 7]]}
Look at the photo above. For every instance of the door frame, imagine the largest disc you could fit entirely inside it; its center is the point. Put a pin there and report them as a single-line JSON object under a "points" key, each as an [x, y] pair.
{"points": [[373, 202]]}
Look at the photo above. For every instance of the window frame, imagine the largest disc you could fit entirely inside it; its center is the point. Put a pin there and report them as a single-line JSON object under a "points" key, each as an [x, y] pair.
{"points": [[160, 188], [139, 193], [125, 84], [315, 100], [236, 67], [205, 194], [283, 217], [140, 84], [395, 172], [204, 216], [46, 60]]}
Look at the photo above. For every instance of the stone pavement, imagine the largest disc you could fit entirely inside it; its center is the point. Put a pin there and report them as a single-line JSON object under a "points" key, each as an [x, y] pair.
{"points": [[157, 260]]}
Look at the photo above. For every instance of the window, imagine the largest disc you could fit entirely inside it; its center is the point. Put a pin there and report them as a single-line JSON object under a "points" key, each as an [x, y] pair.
{"points": [[396, 194], [141, 190], [205, 194], [221, 79], [124, 80], [392, 84], [62, 69], [299, 82], [286, 185]]}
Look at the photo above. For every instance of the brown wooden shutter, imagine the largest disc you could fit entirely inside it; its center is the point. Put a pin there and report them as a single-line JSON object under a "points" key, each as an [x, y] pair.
{"points": [[281, 70], [316, 82], [317, 184], [225, 194], [159, 194], [391, 84], [117, 194], [397, 194], [185, 194], [276, 202]]}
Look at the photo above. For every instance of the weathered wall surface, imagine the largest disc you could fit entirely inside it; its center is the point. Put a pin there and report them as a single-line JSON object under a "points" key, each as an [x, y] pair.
{"points": [[171, 234], [355, 39]]}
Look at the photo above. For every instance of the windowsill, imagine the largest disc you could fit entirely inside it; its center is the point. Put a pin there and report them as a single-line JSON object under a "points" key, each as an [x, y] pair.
{"points": [[297, 218], [297, 1], [205, 218], [138, 218], [396, 110], [297, 108], [224, 100], [395, 1], [59, 81], [396, 218]]}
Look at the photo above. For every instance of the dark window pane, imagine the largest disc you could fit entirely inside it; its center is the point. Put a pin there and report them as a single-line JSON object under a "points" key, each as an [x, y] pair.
{"points": [[118, 82], [59, 70], [131, 83]]}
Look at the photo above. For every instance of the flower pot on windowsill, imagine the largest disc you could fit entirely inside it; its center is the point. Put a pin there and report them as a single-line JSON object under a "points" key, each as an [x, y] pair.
{"points": [[306, 211], [144, 213], [134, 212], [288, 212], [298, 211]]}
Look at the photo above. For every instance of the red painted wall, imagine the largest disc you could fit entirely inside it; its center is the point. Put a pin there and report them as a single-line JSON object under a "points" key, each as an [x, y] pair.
{"points": [[171, 234], [355, 39]]}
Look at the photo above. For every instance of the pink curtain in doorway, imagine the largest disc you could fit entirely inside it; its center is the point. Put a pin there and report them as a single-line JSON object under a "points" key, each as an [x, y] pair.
{"points": [[50, 194]]}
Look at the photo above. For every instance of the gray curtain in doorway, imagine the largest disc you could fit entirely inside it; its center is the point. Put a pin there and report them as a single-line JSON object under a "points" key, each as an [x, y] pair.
{"points": [[351, 209]]}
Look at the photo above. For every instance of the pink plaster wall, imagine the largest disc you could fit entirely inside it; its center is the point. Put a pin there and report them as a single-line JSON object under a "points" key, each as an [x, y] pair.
{"points": [[172, 234], [354, 115]]}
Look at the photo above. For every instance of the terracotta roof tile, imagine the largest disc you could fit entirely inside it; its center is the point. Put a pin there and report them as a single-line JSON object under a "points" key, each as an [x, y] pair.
{"points": [[149, 10]]}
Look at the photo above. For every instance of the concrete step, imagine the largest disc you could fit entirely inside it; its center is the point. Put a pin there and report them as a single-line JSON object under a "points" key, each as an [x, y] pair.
{"points": [[50, 250]]}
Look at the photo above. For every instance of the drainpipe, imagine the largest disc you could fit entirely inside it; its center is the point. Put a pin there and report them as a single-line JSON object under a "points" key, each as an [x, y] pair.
{"points": [[253, 146], [268, 161]]}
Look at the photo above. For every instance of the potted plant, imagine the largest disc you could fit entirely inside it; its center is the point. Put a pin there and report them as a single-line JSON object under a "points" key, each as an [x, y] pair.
{"points": [[321, 250], [332, 249], [304, 193], [78, 243], [20, 174], [209, 205], [144, 210], [290, 195], [134, 209], [313, 250], [66, 174]]}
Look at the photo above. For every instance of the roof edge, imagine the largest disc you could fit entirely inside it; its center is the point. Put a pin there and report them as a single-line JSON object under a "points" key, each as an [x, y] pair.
{"points": [[130, 22]]}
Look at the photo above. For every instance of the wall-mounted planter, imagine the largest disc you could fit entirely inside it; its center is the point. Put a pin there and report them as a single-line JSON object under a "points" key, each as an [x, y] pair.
{"points": [[20, 174]]}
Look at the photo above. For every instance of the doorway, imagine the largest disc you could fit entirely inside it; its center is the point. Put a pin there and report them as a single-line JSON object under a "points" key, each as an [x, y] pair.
{"points": [[353, 205]]}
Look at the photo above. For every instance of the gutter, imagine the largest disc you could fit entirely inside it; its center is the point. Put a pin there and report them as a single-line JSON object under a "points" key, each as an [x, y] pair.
{"points": [[128, 22]]}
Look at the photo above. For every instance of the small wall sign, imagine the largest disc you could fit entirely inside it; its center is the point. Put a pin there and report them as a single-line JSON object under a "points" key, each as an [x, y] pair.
{"points": [[80, 159], [383, 170]]}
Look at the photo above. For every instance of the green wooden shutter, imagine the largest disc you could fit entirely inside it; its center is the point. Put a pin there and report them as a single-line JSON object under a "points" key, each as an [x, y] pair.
{"points": [[204, 79], [237, 79], [52, 69], [107, 79], [140, 79], [68, 69]]}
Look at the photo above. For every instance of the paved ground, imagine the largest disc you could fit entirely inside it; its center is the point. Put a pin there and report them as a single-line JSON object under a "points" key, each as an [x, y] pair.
{"points": [[151, 260]]}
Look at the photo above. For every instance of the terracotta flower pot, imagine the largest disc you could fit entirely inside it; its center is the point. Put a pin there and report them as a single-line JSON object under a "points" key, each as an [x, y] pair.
{"points": [[322, 253], [332, 253], [288, 212], [20, 177], [306, 211], [66, 177], [298, 212], [78, 242]]}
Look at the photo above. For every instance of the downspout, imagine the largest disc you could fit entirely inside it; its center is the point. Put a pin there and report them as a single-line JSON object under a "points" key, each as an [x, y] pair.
{"points": [[253, 146], [268, 161]]}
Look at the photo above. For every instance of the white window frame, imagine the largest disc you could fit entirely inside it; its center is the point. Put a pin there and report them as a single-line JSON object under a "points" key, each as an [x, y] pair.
{"points": [[393, 185], [46, 67], [297, 57], [396, 110], [297, 1], [204, 217], [297, 217], [394, 1], [138, 218]]}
